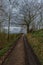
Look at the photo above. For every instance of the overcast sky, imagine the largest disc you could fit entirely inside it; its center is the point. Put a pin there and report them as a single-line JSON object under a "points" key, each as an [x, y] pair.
{"points": [[14, 10]]}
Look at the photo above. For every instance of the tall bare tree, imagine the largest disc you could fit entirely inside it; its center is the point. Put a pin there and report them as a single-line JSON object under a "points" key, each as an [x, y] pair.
{"points": [[30, 10]]}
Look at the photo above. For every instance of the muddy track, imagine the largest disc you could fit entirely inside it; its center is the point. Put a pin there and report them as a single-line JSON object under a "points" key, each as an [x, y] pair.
{"points": [[30, 57], [22, 54]]}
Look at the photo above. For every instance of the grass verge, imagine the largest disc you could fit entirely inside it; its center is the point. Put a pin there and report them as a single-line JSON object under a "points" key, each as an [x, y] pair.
{"points": [[36, 41], [5, 44]]}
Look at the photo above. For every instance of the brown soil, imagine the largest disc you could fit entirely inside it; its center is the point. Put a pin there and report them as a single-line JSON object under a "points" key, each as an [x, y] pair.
{"points": [[17, 57]]}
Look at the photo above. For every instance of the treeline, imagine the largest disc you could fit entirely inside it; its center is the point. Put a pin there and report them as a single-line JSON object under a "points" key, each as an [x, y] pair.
{"points": [[30, 14]]}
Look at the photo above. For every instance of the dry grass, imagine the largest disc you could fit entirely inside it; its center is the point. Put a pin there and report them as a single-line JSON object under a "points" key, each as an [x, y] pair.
{"points": [[4, 41], [36, 41], [5, 44]]}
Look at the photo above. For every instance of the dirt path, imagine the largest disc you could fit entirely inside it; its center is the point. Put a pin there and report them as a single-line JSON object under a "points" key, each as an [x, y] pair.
{"points": [[30, 57], [22, 54], [17, 57]]}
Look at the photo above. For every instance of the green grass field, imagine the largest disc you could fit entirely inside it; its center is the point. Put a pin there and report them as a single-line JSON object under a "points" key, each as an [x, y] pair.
{"points": [[36, 41]]}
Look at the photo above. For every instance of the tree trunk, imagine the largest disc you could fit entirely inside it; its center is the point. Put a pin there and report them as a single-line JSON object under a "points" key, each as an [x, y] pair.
{"points": [[8, 33], [8, 28], [0, 26], [27, 28]]}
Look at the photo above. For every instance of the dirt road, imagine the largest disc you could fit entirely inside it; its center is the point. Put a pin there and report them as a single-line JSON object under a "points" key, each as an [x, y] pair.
{"points": [[22, 54], [17, 57]]}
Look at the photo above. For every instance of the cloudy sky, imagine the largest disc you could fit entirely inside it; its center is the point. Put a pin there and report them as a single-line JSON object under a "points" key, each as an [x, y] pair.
{"points": [[15, 11], [14, 29]]}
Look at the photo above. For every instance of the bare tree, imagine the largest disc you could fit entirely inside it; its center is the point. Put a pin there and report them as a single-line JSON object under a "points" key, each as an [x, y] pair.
{"points": [[4, 17], [0, 16], [30, 10]]}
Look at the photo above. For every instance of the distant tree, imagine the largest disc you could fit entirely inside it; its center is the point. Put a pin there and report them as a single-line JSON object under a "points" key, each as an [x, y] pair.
{"points": [[4, 17], [1, 16], [30, 10], [40, 22]]}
